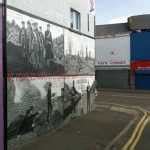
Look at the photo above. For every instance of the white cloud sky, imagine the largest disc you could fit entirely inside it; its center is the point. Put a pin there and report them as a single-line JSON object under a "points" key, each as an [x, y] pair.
{"points": [[118, 20], [111, 11]]}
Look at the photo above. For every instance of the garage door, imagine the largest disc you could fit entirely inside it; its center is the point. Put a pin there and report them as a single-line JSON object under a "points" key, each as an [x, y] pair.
{"points": [[117, 79]]}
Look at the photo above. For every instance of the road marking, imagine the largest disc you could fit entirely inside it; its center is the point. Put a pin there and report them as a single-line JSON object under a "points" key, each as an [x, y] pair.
{"points": [[133, 110], [128, 96], [133, 136], [139, 135]]}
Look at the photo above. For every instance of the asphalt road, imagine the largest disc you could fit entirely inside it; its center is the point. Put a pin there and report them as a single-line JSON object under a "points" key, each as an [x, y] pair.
{"points": [[144, 143], [130, 98], [137, 98]]}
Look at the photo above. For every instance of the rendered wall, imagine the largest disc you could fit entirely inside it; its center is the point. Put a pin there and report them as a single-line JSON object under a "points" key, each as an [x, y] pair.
{"points": [[58, 11]]}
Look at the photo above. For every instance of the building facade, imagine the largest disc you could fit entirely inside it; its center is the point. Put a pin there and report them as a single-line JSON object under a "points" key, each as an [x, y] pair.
{"points": [[113, 56], [140, 59], [50, 62]]}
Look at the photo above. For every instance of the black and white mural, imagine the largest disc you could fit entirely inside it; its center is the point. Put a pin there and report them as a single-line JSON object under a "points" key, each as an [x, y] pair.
{"points": [[84, 85], [79, 54], [37, 104], [50, 77], [33, 46]]}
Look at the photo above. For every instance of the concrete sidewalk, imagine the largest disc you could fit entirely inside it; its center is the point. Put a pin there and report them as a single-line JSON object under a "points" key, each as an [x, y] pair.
{"points": [[93, 131]]}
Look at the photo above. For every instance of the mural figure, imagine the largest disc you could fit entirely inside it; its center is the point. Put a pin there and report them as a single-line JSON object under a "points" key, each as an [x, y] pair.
{"points": [[23, 39], [49, 102], [48, 45], [42, 48], [29, 37], [88, 98]]}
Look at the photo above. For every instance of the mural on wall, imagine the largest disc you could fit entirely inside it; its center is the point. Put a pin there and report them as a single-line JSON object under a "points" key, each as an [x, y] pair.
{"points": [[33, 46], [37, 104], [79, 54], [41, 94], [86, 86]]}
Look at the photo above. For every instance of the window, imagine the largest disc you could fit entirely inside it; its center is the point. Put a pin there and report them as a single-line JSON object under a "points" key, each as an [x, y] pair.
{"points": [[88, 19], [75, 20]]}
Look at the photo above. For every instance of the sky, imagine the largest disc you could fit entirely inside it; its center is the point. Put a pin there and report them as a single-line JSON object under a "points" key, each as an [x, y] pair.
{"points": [[117, 11]]}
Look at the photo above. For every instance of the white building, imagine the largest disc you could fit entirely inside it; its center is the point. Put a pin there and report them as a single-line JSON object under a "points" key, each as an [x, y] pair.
{"points": [[76, 17], [50, 43], [113, 56]]}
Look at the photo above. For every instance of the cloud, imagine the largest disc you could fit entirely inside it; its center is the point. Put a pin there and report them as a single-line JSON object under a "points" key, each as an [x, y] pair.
{"points": [[119, 20]]}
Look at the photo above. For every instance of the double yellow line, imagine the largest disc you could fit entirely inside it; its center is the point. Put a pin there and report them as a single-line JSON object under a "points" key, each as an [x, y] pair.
{"points": [[137, 133]]}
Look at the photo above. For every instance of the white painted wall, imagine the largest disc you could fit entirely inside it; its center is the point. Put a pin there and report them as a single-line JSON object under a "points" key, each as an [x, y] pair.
{"points": [[113, 51], [57, 11]]}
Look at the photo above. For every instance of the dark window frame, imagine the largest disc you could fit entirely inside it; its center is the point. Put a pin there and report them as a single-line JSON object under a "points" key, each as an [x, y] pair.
{"points": [[88, 22], [78, 20]]}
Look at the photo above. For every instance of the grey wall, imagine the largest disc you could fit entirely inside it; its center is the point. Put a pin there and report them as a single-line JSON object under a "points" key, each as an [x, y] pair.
{"points": [[1, 84]]}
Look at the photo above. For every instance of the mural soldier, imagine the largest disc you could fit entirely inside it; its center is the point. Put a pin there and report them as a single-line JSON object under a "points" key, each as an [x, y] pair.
{"points": [[29, 40], [27, 121], [35, 47], [88, 99], [73, 94], [22, 40], [48, 45], [49, 101], [42, 47], [13, 35]]}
